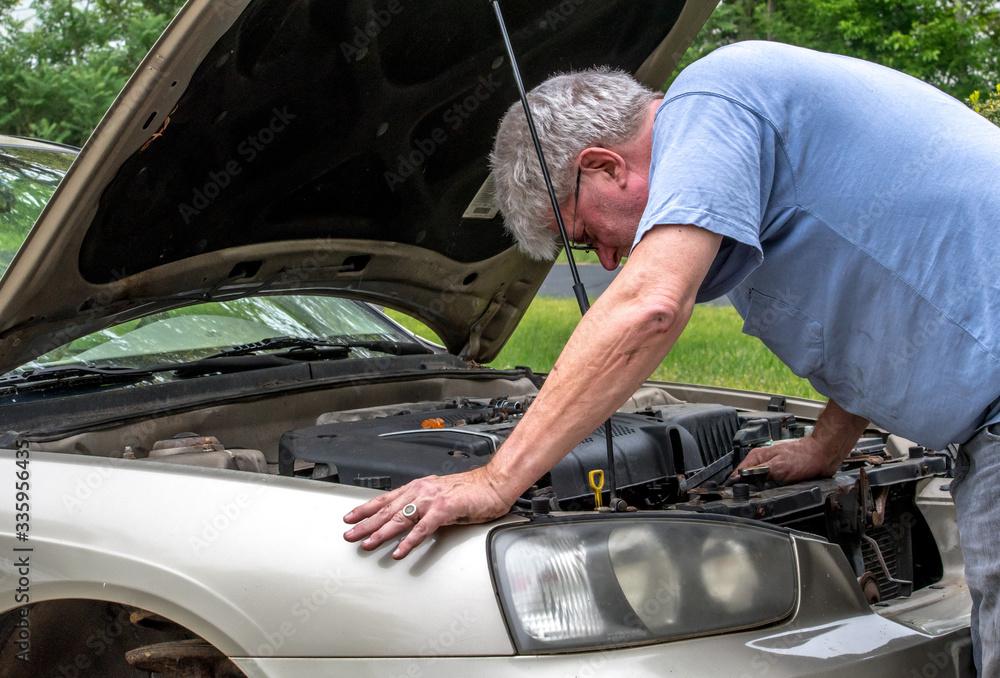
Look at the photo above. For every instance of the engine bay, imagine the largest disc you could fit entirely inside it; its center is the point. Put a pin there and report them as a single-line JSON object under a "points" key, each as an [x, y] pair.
{"points": [[654, 447], [675, 447], [668, 457]]}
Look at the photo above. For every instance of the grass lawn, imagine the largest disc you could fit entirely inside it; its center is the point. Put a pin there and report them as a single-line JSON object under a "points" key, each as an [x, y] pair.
{"points": [[579, 257], [711, 351]]}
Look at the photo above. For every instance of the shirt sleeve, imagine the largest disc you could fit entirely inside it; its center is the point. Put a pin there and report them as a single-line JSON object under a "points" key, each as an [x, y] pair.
{"points": [[713, 166]]}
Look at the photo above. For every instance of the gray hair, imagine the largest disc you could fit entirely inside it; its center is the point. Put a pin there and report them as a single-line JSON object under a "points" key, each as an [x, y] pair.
{"points": [[572, 111]]}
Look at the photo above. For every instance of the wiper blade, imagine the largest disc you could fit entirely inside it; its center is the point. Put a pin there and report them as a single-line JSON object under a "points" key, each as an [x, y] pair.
{"points": [[304, 343], [105, 374], [58, 374], [237, 359]]}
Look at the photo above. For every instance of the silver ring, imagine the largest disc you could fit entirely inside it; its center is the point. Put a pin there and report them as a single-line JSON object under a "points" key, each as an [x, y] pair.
{"points": [[410, 512]]}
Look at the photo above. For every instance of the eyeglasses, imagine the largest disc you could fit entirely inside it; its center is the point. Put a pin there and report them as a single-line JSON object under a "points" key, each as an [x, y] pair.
{"points": [[576, 208]]}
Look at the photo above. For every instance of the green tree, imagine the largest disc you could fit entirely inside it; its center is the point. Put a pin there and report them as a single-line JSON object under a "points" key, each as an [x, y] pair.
{"points": [[63, 65], [954, 46], [988, 106]]}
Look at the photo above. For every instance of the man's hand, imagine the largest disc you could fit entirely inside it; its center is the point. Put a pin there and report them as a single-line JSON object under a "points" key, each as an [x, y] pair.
{"points": [[616, 346], [816, 456], [794, 461], [463, 498]]}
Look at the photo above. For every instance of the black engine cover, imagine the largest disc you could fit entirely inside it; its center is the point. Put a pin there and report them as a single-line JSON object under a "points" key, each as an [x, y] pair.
{"points": [[391, 451]]}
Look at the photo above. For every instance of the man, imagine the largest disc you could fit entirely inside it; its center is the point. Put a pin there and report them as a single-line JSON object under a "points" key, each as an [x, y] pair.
{"points": [[849, 212]]}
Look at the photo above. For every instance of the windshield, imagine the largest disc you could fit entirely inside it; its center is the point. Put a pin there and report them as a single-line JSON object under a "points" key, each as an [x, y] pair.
{"points": [[198, 331], [28, 176]]}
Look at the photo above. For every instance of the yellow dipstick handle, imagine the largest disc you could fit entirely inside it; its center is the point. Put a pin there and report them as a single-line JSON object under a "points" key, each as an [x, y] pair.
{"points": [[597, 484]]}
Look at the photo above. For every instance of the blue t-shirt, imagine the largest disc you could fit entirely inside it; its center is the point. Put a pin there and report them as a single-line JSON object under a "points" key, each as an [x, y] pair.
{"points": [[860, 210]]}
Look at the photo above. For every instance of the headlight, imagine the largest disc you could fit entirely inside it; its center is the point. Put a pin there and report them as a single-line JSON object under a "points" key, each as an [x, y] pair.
{"points": [[609, 581]]}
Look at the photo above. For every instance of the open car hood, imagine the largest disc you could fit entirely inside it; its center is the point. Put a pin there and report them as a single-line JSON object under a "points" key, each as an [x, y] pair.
{"points": [[276, 146]]}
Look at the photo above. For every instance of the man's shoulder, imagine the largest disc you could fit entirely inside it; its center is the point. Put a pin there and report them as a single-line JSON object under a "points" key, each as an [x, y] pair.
{"points": [[750, 58], [777, 80], [767, 78], [773, 65], [765, 50], [757, 74]]}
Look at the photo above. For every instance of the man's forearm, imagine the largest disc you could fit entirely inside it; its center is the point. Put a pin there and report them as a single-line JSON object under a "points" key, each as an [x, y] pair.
{"points": [[616, 346], [836, 432], [614, 349]]}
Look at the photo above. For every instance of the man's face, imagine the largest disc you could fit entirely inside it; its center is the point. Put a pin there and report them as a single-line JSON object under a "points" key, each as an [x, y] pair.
{"points": [[603, 217]]}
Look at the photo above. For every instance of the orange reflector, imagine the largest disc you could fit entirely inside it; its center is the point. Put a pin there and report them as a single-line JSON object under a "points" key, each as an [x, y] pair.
{"points": [[437, 422]]}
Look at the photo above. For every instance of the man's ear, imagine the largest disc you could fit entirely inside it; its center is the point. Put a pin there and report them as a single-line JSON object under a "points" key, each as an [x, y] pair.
{"points": [[603, 163]]}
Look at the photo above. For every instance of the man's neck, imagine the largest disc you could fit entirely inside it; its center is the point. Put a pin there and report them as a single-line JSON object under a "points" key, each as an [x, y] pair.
{"points": [[639, 151]]}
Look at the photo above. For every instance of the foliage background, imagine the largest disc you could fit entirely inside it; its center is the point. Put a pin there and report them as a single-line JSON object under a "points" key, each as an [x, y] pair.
{"points": [[63, 61], [988, 106], [953, 45]]}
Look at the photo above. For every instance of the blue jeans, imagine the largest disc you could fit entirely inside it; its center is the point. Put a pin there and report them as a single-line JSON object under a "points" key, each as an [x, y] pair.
{"points": [[976, 490]]}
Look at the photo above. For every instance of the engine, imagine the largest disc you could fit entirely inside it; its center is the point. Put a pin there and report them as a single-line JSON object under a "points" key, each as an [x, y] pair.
{"points": [[669, 457], [653, 449]]}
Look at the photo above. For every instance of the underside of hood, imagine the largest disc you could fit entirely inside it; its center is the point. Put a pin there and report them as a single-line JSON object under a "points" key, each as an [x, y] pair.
{"points": [[272, 146]]}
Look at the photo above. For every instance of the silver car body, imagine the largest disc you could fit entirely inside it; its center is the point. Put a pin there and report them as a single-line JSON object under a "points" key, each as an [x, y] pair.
{"points": [[255, 565]]}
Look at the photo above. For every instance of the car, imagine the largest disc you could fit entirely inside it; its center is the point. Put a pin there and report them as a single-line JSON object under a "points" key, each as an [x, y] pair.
{"points": [[198, 383]]}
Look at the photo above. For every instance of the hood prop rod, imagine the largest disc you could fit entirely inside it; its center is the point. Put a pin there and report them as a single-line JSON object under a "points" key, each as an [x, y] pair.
{"points": [[578, 289]]}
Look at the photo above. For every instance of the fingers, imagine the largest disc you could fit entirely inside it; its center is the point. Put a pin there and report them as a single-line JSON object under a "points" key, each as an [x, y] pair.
{"points": [[415, 538], [395, 525], [370, 508], [375, 514], [387, 523], [469, 497], [381, 519], [758, 456], [786, 463]]}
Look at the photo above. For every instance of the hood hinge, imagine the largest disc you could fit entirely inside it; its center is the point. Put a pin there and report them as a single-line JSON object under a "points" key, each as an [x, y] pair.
{"points": [[471, 349]]}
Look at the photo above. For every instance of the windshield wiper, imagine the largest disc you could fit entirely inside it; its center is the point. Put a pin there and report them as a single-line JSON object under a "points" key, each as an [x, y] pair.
{"points": [[107, 374], [237, 359], [323, 345], [74, 372]]}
